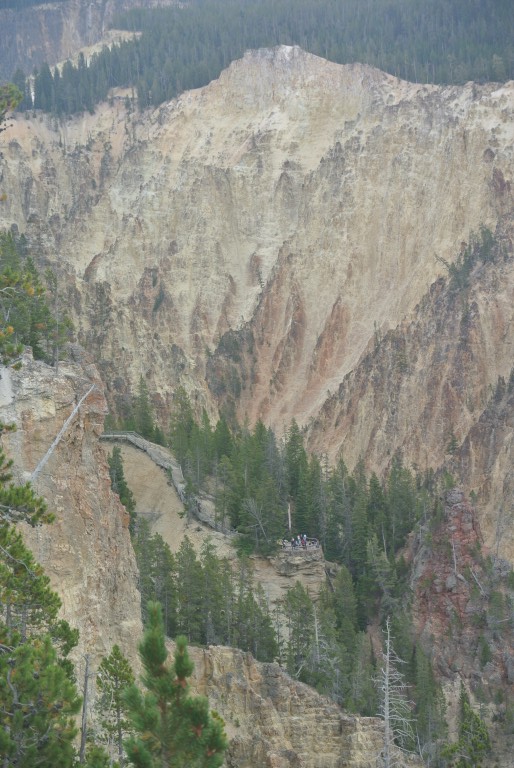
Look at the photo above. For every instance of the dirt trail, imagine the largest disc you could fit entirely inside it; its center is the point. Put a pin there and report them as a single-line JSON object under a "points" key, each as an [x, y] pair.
{"points": [[158, 502]]}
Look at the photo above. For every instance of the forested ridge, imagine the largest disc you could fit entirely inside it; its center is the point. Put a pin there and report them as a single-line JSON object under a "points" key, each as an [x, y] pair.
{"points": [[445, 41]]}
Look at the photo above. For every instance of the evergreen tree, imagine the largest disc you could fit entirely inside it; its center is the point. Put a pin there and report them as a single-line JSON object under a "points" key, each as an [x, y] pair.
{"points": [[143, 412], [174, 729], [181, 424], [157, 574], [430, 708], [474, 743], [189, 593], [113, 677], [363, 697], [338, 544], [37, 705], [226, 498], [296, 459], [119, 485], [299, 613], [345, 607]]}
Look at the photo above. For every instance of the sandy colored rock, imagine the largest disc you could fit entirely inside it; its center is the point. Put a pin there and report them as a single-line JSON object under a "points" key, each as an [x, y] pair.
{"points": [[87, 551], [301, 200]]}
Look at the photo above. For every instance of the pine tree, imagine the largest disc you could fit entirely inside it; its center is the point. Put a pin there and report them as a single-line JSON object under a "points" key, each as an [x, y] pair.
{"points": [[174, 729], [363, 692], [119, 485], [189, 593], [113, 677], [474, 742], [299, 613], [37, 705], [143, 411], [430, 707], [181, 424]]}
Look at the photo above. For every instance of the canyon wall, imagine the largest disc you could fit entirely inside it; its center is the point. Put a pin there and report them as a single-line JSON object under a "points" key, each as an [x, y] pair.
{"points": [[276, 722], [294, 203], [443, 374]]}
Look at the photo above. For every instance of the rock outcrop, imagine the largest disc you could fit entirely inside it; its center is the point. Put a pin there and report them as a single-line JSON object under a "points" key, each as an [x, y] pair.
{"points": [[276, 722], [86, 552]]}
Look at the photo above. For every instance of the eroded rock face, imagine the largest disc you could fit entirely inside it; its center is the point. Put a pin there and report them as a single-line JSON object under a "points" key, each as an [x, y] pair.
{"points": [[461, 612], [295, 204], [86, 552], [434, 376], [276, 722]]}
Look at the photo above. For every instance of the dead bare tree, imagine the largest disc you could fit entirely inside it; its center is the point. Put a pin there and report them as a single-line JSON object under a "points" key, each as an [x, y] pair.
{"points": [[394, 709]]}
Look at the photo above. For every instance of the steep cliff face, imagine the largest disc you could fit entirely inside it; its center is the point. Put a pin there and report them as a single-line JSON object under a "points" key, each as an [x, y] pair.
{"points": [[276, 722], [435, 377], [86, 552], [297, 203], [55, 31]]}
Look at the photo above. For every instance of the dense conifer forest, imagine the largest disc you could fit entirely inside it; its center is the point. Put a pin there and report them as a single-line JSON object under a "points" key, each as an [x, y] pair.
{"points": [[445, 41]]}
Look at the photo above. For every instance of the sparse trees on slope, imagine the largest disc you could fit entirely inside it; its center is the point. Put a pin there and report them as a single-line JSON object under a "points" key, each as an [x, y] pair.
{"points": [[10, 97]]}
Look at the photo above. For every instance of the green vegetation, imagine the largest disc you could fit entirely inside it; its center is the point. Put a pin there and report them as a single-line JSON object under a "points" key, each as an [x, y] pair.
{"points": [[139, 416], [483, 248], [474, 743], [445, 41], [202, 597], [174, 729], [119, 485], [113, 677], [29, 309], [10, 97]]}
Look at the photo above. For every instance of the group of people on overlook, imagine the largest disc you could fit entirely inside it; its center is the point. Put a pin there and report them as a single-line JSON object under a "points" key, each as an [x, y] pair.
{"points": [[300, 541]]}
